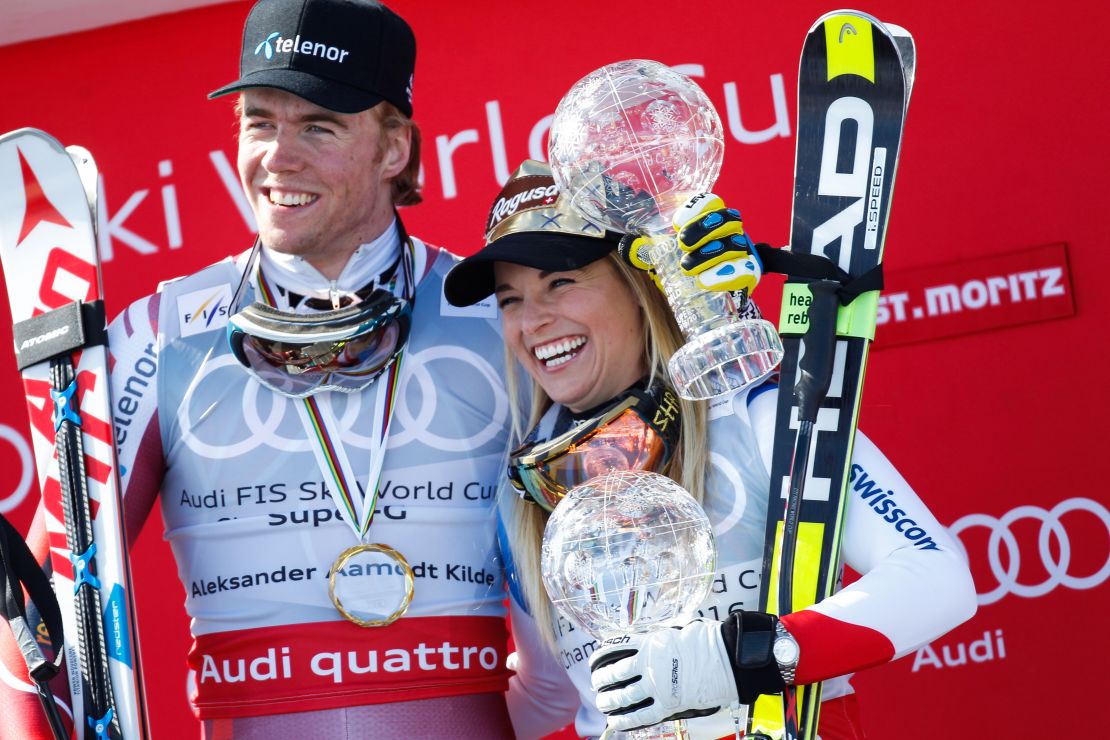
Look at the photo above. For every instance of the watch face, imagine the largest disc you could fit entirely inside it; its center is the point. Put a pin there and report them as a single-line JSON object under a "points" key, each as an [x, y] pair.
{"points": [[786, 651]]}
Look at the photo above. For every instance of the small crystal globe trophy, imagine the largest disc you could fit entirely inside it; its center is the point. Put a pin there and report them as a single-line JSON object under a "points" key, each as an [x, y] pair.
{"points": [[630, 143], [629, 552]]}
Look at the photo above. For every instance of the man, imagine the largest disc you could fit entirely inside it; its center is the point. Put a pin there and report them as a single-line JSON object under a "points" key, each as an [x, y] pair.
{"points": [[268, 396]]}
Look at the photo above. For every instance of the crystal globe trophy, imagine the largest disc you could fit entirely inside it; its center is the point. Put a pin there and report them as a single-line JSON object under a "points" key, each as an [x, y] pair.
{"points": [[629, 144], [629, 552]]}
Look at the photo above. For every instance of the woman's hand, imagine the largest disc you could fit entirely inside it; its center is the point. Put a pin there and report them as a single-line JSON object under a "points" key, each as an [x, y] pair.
{"points": [[688, 672], [668, 674], [719, 253]]}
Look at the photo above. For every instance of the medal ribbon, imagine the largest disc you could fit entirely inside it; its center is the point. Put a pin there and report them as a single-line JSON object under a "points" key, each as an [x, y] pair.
{"points": [[356, 507], [318, 416]]}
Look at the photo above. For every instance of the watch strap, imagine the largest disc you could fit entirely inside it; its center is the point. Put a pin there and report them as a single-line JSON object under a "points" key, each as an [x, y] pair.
{"points": [[786, 670], [749, 639]]}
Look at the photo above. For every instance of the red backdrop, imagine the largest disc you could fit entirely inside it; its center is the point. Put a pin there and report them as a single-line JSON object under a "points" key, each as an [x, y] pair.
{"points": [[991, 407]]}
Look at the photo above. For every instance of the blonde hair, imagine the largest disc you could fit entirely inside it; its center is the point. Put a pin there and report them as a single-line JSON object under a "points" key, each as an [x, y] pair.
{"points": [[525, 522]]}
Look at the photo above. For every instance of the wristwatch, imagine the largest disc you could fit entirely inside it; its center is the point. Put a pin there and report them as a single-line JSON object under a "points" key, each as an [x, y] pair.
{"points": [[786, 652]]}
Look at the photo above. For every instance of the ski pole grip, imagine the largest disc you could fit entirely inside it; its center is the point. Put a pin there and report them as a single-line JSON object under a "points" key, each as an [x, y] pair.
{"points": [[818, 349]]}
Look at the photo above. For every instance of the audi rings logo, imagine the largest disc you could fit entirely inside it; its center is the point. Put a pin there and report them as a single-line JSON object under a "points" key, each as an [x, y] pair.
{"points": [[1052, 528], [724, 521], [11, 499], [418, 397]]}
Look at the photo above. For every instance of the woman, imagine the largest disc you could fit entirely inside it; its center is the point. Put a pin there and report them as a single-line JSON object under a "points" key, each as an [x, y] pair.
{"points": [[591, 331]]}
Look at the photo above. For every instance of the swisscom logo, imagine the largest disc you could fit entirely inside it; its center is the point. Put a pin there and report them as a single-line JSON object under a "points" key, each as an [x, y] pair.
{"points": [[275, 43]]}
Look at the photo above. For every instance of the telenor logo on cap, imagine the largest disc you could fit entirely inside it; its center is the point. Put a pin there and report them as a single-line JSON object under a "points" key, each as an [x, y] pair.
{"points": [[267, 45], [275, 43]]}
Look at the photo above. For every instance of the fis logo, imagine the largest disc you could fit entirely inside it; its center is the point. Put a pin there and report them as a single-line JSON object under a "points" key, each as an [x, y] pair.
{"points": [[203, 310]]}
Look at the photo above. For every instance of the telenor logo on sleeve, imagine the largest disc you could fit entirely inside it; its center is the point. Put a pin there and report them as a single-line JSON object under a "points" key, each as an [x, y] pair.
{"points": [[203, 310]]}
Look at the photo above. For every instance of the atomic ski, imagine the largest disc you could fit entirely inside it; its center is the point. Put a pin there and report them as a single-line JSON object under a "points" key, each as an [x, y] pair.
{"points": [[52, 271], [853, 89]]}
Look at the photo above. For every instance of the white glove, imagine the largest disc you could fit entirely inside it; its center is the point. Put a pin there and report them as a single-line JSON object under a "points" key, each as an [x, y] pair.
{"points": [[668, 674]]}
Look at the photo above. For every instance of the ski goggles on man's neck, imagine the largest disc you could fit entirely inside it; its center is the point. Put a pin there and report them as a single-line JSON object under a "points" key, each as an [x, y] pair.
{"points": [[341, 350], [639, 431]]}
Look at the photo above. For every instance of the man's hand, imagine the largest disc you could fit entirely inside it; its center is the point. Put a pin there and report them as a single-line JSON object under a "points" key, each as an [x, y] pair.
{"points": [[719, 254], [669, 674]]}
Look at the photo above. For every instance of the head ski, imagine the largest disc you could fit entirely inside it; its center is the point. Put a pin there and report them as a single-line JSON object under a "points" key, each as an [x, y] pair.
{"points": [[853, 88]]}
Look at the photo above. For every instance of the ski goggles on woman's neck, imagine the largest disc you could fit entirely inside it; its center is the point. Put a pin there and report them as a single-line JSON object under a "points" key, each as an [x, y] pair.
{"points": [[639, 431], [341, 350]]}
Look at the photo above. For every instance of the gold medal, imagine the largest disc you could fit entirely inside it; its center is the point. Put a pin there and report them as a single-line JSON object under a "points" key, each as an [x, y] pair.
{"points": [[371, 585]]}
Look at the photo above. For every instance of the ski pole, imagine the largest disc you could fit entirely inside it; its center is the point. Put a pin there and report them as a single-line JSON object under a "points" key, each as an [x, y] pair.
{"points": [[814, 376], [79, 538], [18, 568]]}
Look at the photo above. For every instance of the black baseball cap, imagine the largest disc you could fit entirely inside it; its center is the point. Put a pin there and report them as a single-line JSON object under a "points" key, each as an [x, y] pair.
{"points": [[529, 224], [344, 55]]}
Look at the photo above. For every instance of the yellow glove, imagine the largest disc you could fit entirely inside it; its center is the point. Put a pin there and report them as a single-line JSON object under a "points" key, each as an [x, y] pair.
{"points": [[633, 249], [719, 254]]}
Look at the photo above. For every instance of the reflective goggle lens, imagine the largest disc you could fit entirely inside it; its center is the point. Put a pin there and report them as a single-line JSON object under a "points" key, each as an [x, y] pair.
{"points": [[300, 368], [356, 356], [627, 442]]}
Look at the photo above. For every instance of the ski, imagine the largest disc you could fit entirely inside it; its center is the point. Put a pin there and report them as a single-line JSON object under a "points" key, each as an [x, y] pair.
{"points": [[48, 216], [853, 89]]}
